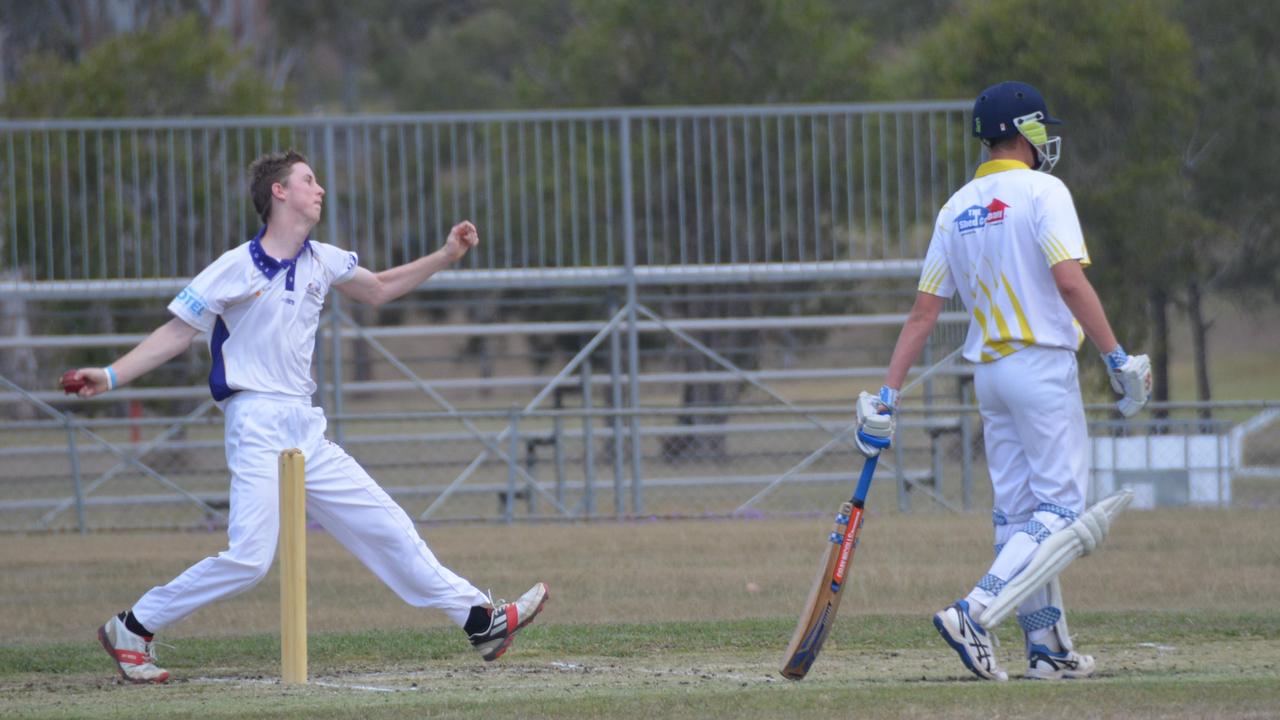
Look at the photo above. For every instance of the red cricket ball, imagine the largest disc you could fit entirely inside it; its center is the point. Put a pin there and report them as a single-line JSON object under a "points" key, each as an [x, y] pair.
{"points": [[70, 385]]}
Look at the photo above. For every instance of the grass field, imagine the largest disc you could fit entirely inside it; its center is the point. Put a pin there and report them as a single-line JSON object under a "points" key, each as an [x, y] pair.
{"points": [[663, 619]]}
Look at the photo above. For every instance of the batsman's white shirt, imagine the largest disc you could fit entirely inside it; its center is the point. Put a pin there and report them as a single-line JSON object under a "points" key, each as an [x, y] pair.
{"points": [[262, 316], [994, 242]]}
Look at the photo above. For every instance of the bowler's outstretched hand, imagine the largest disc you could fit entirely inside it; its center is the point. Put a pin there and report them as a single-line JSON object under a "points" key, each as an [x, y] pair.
{"points": [[85, 382], [462, 238]]}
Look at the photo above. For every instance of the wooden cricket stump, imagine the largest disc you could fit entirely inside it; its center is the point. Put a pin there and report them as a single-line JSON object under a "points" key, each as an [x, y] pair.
{"points": [[293, 567]]}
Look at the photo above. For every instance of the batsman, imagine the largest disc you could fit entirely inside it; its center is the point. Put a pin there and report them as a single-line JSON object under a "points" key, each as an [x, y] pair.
{"points": [[1010, 243]]}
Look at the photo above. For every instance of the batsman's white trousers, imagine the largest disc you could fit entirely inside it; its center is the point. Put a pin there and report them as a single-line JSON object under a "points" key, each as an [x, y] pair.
{"points": [[340, 496], [1037, 445], [1034, 426]]}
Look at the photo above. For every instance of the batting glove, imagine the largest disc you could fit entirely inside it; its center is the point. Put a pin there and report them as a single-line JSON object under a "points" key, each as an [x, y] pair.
{"points": [[1130, 377], [875, 419]]}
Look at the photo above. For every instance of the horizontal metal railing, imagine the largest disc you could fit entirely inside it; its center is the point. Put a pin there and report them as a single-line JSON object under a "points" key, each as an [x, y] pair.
{"points": [[746, 446]]}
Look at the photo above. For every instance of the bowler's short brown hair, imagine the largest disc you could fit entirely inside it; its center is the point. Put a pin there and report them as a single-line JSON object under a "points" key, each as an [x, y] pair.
{"points": [[266, 171]]}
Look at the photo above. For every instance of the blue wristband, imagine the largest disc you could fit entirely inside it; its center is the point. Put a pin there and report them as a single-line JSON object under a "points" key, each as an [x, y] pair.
{"points": [[111, 378], [1116, 358]]}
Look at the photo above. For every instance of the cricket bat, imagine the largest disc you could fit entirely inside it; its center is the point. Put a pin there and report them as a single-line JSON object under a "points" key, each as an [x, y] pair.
{"points": [[819, 611]]}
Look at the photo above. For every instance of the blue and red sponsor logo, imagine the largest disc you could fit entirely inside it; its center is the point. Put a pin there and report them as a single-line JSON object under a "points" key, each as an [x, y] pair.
{"points": [[995, 211], [976, 217]]}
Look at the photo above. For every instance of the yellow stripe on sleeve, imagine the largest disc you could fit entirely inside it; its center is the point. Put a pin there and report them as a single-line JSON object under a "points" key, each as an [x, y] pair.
{"points": [[938, 276], [1062, 248], [925, 279], [932, 278], [1053, 250]]}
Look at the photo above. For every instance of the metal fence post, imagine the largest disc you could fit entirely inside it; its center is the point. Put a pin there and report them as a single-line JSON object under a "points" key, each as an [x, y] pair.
{"points": [[615, 372], [335, 328], [633, 334], [73, 452], [557, 450], [904, 497], [588, 444], [319, 360], [333, 211], [508, 506], [936, 465], [513, 450], [966, 448]]}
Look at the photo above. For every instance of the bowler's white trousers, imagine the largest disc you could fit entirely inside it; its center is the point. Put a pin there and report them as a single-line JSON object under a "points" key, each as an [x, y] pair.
{"points": [[340, 496], [1037, 439]]}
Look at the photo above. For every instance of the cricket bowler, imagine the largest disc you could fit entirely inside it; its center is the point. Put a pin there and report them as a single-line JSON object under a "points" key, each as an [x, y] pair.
{"points": [[260, 305]]}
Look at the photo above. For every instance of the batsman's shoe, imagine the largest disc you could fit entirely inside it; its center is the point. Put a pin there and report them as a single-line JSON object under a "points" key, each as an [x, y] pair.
{"points": [[506, 619], [974, 644], [1046, 664], [131, 653]]}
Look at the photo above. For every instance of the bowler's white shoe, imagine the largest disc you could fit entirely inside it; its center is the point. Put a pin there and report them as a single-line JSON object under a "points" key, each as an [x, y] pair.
{"points": [[1045, 664], [974, 644], [507, 618], [131, 653]]}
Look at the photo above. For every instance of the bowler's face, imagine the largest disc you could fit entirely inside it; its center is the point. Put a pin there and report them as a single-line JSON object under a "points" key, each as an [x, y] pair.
{"points": [[303, 192]]}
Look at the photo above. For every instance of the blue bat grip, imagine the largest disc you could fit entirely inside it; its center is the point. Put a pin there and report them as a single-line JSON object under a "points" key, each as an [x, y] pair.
{"points": [[868, 468]]}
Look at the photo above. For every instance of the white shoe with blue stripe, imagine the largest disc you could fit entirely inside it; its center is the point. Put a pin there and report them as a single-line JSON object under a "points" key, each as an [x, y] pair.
{"points": [[1045, 664], [973, 643]]}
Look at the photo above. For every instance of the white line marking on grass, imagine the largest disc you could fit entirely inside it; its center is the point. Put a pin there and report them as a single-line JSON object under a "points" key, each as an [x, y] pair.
{"points": [[317, 683], [236, 681], [370, 688]]}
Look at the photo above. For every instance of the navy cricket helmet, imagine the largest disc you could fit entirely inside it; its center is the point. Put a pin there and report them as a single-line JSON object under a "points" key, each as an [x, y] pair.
{"points": [[1010, 108]]}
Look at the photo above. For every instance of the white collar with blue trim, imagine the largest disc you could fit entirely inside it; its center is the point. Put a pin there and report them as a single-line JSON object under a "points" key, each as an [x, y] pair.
{"points": [[269, 265]]}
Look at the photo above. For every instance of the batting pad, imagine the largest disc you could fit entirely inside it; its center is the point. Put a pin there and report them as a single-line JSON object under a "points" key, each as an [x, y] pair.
{"points": [[1055, 554]]}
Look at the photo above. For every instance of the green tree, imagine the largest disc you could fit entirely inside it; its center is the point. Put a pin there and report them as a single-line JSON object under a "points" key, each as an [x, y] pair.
{"points": [[622, 52], [1236, 142], [469, 58], [178, 68], [1122, 75]]}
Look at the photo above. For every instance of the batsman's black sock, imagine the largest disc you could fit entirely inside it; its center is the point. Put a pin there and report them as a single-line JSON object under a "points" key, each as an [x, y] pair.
{"points": [[478, 620], [134, 626]]}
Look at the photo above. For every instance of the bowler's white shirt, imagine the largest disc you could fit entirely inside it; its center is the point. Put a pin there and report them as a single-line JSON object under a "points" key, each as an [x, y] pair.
{"points": [[261, 315], [995, 241]]}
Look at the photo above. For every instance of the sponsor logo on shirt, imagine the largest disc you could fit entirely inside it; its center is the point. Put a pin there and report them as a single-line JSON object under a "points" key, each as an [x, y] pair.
{"points": [[995, 211], [976, 217], [192, 300], [971, 219]]}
